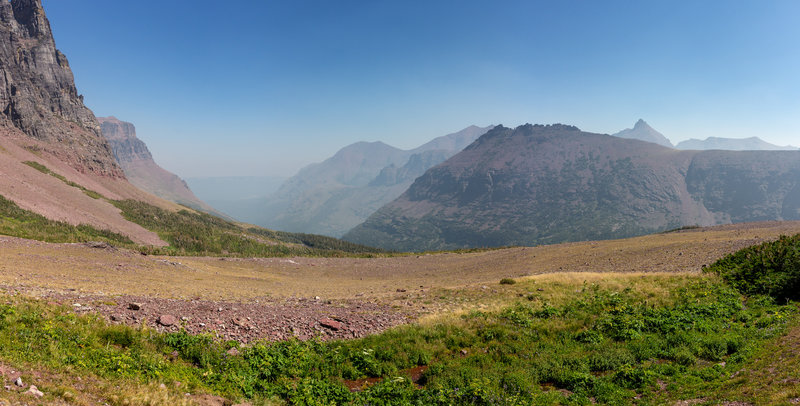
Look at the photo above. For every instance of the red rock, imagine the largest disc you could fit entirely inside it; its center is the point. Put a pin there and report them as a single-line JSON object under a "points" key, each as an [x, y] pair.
{"points": [[166, 320], [331, 324], [134, 306]]}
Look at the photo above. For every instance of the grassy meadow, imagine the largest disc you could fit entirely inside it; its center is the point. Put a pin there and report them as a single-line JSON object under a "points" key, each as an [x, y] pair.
{"points": [[597, 339]]}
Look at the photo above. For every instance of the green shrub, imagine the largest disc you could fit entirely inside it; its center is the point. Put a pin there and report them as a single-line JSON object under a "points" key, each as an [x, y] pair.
{"points": [[772, 268], [507, 281]]}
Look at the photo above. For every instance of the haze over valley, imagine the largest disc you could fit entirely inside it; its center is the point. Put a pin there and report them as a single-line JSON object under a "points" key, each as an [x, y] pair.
{"points": [[377, 203]]}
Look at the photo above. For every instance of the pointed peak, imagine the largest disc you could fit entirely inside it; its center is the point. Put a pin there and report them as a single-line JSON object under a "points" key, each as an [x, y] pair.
{"points": [[641, 124]]}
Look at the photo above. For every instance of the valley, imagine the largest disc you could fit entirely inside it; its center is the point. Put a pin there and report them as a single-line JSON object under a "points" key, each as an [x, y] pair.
{"points": [[527, 265]]}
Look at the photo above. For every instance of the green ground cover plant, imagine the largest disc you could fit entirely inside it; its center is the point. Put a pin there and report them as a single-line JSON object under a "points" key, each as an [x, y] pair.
{"points": [[596, 345]]}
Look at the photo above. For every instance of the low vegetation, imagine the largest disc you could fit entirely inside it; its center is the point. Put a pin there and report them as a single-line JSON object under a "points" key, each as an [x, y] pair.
{"points": [[662, 339], [772, 268]]}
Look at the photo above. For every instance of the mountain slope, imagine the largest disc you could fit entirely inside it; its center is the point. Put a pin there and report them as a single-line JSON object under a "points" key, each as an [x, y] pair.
{"points": [[141, 170], [547, 184], [44, 123], [643, 132], [732, 144], [335, 195], [38, 94]]}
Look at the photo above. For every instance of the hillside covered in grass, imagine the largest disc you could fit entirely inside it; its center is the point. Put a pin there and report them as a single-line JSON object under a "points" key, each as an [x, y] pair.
{"points": [[187, 232]]}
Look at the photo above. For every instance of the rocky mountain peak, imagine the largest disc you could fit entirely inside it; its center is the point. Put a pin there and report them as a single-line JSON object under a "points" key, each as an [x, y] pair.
{"points": [[38, 94], [643, 132], [30, 15]]}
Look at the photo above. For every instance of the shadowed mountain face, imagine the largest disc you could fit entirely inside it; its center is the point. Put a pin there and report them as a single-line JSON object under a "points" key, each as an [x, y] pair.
{"points": [[643, 132], [135, 159], [732, 144], [547, 184], [335, 195]]}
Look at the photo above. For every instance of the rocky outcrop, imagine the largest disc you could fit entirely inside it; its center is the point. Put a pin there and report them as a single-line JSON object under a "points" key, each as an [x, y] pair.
{"points": [[548, 184], [643, 132], [141, 170], [38, 94]]}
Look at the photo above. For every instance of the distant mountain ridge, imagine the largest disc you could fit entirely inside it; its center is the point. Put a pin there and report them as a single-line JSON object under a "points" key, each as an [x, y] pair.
{"points": [[335, 195], [643, 132], [732, 144], [539, 184], [141, 170]]}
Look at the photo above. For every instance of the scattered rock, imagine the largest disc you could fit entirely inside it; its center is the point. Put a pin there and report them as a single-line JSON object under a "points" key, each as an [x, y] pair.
{"points": [[233, 352], [99, 245], [34, 391], [331, 324], [115, 317], [401, 290], [464, 352], [19, 382], [135, 306], [166, 320]]}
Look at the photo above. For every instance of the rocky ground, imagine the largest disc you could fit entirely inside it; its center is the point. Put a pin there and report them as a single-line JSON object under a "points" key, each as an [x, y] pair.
{"points": [[261, 319]]}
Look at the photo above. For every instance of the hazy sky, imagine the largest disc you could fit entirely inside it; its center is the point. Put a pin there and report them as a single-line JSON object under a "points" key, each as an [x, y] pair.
{"points": [[256, 87]]}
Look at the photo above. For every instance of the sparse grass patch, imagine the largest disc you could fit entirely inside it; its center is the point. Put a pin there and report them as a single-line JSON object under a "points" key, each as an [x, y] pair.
{"points": [[43, 169], [17, 222]]}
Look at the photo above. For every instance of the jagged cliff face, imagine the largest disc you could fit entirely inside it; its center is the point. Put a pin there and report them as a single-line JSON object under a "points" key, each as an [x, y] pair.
{"points": [[121, 136], [38, 94], [548, 184]]}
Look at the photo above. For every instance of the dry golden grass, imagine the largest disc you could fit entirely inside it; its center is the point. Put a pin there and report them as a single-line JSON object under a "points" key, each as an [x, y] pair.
{"points": [[74, 266]]}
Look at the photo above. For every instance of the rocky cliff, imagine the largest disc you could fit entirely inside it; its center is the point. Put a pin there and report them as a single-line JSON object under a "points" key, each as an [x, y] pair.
{"points": [[136, 161], [547, 184], [38, 94]]}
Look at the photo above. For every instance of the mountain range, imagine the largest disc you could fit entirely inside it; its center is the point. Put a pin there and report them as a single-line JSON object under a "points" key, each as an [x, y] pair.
{"points": [[732, 144], [538, 184], [333, 196]]}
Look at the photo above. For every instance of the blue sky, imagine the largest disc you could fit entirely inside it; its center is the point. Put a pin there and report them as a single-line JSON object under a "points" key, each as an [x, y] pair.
{"points": [[258, 87]]}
